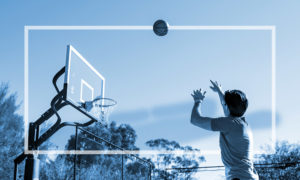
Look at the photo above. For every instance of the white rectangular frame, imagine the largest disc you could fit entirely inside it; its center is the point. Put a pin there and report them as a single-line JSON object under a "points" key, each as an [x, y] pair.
{"points": [[83, 82], [272, 29]]}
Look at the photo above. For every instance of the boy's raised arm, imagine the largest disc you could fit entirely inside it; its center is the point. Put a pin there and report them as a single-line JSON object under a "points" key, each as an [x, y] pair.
{"points": [[196, 118], [218, 89]]}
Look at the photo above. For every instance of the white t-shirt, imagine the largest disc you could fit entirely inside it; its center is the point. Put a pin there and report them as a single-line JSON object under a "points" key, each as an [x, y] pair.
{"points": [[236, 147]]}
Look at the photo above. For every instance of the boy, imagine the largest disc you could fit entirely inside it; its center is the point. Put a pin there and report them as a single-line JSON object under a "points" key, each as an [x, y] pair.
{"points": [[235, 134]]}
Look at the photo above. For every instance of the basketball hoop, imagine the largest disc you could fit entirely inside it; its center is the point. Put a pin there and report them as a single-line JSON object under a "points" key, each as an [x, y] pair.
{"points": [[100, 108], [106, 106]]}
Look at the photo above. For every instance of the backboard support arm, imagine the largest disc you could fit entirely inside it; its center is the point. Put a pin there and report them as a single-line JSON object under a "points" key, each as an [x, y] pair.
{"points": [[34, 140]]}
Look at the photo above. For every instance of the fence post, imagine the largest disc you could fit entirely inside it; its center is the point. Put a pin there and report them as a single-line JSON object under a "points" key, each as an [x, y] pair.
{"points": [[150, 171], [122, 166], [75, 155]]}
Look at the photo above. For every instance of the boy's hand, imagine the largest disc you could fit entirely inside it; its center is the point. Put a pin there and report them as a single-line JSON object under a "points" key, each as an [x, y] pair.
{"points": [[216, 87], [198, 95]]}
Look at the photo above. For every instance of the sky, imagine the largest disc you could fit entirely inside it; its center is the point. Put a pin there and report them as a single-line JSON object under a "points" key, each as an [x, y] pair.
{"points": [[152, 77]]}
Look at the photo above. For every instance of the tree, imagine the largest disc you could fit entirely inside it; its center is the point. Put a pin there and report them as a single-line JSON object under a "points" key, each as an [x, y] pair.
{"points": [[59, 169], [164, 161], [98, 166], [285, 162], [11, 132]]}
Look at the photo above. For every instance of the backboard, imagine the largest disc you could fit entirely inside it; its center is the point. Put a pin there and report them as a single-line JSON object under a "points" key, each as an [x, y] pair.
{"points": [[83, 83]]}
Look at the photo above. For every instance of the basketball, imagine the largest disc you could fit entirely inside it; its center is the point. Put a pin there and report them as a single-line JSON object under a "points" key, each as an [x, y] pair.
{"points": [[160, 27]]}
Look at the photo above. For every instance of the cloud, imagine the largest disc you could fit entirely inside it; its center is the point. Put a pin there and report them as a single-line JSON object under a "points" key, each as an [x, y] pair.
{"points": [[262, 119], [173, 121], [157, 114]]}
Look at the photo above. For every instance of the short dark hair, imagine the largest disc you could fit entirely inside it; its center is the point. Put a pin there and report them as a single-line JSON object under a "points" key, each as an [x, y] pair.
{"points": [[237, 102]]}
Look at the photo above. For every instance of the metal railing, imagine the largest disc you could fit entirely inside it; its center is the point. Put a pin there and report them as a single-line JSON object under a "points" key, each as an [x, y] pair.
{"points": [[125, 158]]}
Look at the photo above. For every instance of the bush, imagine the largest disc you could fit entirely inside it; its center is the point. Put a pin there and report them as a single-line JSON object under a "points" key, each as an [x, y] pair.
{"points": [[285, 162]]}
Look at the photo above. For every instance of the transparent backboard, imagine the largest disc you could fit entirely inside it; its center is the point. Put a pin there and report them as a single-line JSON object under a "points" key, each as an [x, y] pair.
{"points": [[83, 82]]}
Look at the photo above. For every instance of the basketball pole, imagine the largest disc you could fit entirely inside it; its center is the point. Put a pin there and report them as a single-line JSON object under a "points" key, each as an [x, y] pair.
{"points": [[34, 141], [32, 162]]}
